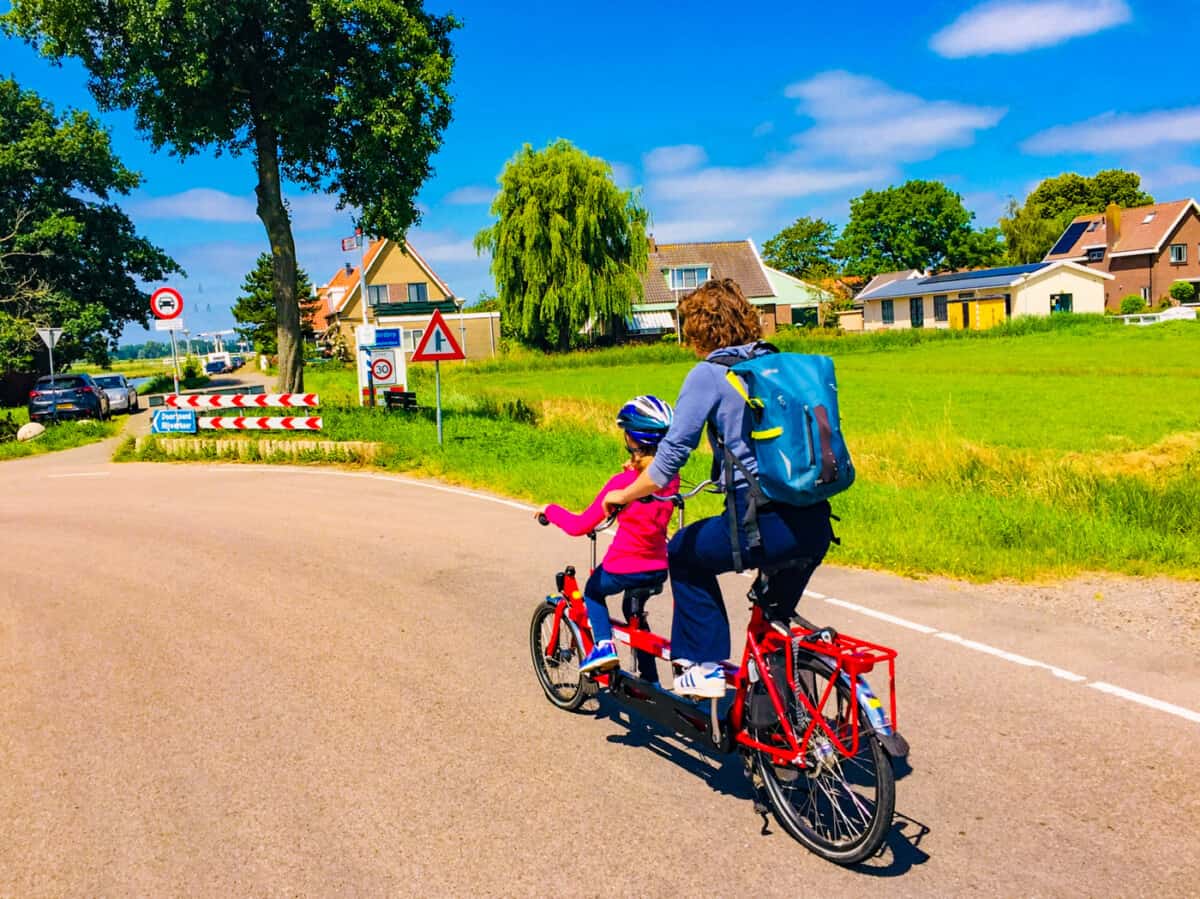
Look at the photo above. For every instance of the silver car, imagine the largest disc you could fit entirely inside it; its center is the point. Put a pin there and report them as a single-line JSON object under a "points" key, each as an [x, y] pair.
{"points": [[121, 395]]}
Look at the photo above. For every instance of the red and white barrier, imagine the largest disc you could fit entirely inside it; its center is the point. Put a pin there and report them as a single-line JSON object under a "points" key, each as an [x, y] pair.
{"points": [[203, 401], [247, 423]]}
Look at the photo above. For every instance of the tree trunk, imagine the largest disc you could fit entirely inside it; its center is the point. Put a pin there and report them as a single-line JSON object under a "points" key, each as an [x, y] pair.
{"points": [[283, 257]]}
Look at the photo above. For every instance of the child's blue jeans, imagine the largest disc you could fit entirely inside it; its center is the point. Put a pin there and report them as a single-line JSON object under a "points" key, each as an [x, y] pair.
{"points": [[603, 584]]}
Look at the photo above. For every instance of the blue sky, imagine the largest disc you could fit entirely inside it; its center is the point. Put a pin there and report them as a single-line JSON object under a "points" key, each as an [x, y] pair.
{"points": [[731, 124]]}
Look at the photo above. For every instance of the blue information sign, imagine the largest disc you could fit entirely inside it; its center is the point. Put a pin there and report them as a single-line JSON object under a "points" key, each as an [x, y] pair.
{"points": [[387, 337], [173, 421]]}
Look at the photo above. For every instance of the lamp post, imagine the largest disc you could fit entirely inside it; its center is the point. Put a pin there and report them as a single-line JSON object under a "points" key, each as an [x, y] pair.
{"points": [[459, 302]]}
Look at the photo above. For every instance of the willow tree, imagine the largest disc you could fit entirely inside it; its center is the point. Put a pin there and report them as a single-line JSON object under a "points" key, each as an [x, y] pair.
{"points": [[568, 246], [348, 97]]}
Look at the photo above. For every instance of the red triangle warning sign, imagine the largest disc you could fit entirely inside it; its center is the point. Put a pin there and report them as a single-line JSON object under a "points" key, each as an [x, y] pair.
{"points": [[437, 343]]}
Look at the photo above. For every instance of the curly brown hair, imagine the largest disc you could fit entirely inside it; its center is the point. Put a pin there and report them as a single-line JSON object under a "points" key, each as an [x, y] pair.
{"points": [[717, 314]]}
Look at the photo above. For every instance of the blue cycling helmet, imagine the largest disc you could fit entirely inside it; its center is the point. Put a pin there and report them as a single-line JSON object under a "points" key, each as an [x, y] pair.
{"points": [[646, 419]]}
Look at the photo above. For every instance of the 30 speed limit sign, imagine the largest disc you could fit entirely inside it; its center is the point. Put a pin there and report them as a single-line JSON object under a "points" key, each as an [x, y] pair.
{"points": [[382, 369], [166, 302]]}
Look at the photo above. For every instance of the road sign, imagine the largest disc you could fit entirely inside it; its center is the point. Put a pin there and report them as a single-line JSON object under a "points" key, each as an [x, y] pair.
{"points": [[351, 243], [168, 324], [231, 423], [387, 337], [166, 302], [437, 343], [50, 336], [173, 421], [382, 370], [240, 400]]}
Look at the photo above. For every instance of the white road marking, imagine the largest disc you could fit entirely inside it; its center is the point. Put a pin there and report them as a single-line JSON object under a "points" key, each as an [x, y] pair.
{"points": [[882, 616], [1009, 656], [1150, 701], [82, 474], [1070, 676]]}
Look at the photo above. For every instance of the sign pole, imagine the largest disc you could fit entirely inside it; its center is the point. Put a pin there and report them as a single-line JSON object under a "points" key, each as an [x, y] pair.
{"points": [[362, 279], [175, 361], [437, 378], [53, 391]]}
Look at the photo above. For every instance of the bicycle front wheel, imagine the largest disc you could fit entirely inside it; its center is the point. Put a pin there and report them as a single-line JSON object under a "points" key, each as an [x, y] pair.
{"points": [[557, 665], [840, 807]]}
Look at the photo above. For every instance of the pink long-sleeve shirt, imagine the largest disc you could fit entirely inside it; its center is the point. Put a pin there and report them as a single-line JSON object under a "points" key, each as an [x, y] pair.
{"points": [[641, 540]]}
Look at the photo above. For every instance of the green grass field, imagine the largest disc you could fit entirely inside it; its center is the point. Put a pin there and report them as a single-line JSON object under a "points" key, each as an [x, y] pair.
{"points": [[1041, 450], [67, 435]]}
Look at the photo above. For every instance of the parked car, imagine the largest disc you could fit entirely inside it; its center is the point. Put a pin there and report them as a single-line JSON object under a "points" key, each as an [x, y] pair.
{"points": [[216, 367], [238, 361], [122, 397], [74, 395]]}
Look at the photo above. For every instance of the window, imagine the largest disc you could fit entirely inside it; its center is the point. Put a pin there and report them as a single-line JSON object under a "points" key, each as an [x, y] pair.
{"points": [[688, 278], [889, 314], [1148, 219], [916, 312], [418, 293], [1060, 302], [1094, 225], [967, 295], [1146, 294], [939, 309], [1096, 254], [376, 294], [412, 336], [1178, 253]]}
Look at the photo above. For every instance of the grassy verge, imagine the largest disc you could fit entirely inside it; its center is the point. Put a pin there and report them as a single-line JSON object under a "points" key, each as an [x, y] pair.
{"points": [[65, 435], [1038, 450], [165, 383]]}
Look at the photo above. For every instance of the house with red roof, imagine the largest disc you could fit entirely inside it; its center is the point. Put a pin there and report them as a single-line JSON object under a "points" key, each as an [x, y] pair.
{"points": [[402, 292], [1146, 249]]}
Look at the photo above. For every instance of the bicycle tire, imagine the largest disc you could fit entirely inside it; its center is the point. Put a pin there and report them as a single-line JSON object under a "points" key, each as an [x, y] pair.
{"points": [[799, 802], [560, 677]]}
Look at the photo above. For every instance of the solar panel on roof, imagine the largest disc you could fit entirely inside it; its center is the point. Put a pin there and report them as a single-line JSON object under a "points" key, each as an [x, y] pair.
{"points": [[1069, 237], [1011, 270]]}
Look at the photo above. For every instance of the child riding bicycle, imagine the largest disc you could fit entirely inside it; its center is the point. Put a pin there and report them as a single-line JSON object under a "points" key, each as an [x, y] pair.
{"points": [[637, 556]]}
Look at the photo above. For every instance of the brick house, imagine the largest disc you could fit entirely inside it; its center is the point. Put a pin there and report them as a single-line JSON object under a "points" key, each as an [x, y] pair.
{"points": [[674, 270], [1146, 249]]}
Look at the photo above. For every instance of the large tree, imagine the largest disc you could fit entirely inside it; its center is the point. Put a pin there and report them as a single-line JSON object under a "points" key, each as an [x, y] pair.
{"points": [[803, 249], [69, 257], [348, 97], [1031, 228], [568, 246], [254, 310], [919, 224]]}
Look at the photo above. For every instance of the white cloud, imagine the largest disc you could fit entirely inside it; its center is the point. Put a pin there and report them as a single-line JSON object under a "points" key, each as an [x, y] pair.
{"points": [[1014, 26], [622, 175], [443, 246], [762, 129], [1112, 131], [861, 117], [1174, 175], [198, 204], [205, 204], [776, 181], [471, 195], [681, 158]]}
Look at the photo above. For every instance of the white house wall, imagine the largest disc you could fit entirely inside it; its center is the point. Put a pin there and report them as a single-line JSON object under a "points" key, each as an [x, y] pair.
{"points": [[873, 314], [1033, 297]]}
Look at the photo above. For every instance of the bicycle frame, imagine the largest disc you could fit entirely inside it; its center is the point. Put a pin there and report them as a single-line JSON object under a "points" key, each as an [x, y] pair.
{"points": [[849, 658]]}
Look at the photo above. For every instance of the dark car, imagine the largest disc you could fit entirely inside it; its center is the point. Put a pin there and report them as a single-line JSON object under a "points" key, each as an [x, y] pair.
{"points": [[237, 362], [216, 367], [68, 396]]}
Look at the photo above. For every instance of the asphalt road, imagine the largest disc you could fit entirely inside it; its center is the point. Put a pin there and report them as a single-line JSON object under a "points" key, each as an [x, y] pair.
{"points": [[231, 680]]}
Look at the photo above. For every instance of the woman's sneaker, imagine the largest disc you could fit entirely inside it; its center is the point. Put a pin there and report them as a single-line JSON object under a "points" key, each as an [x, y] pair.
{"points": [[705, 680], [603, 657]]}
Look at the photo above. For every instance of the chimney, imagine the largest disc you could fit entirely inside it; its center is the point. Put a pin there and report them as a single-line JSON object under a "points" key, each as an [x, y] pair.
{"points": [[653, 244], [1112, 225], [349, 268]]}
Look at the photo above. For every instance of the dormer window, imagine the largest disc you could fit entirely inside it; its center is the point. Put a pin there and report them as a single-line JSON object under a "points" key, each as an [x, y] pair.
{"points": [[687, 278], [1093, 226], [1096, 254]]}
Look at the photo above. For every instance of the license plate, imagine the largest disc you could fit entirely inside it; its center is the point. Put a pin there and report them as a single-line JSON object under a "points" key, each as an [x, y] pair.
{"points": [[66, 405]]}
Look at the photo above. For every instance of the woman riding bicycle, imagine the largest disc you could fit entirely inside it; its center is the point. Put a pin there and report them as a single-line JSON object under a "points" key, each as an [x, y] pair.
{"points": [[718, 321]]}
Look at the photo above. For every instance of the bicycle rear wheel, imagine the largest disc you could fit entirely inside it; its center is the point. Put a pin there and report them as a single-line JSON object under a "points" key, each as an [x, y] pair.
{"points": [[839, 807], [558, 667]]}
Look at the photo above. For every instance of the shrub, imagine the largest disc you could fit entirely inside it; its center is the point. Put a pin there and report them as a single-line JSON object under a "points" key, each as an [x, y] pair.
{"points": [[8, 427], [670, 337], [1183, 291], [191, 367], [1132, 304]]}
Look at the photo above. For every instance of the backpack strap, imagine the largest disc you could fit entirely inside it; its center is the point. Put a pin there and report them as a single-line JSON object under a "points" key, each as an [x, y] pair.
{"points": [[753, 501]]}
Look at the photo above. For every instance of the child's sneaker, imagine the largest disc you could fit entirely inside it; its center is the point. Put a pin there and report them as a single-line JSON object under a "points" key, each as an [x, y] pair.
{"points": [[603, 657], [705, 680]]}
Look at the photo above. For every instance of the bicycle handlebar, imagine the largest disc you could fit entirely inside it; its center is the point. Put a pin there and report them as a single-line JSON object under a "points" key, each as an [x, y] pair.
{"points": [[676, 499]]}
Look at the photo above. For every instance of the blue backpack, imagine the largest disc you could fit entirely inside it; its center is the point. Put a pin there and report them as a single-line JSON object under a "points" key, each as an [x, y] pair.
{"points": [[797, 436]]}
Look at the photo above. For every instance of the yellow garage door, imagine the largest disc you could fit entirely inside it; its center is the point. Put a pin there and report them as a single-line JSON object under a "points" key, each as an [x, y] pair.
{"points": [[987, 313]]}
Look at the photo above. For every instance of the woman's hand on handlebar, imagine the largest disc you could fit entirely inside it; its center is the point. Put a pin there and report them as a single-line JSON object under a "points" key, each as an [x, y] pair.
{"points": [[614, 502]]}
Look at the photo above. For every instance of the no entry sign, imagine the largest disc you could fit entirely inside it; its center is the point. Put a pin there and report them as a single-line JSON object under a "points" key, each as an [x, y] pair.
{"points": [[166, 302]]}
